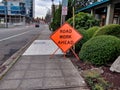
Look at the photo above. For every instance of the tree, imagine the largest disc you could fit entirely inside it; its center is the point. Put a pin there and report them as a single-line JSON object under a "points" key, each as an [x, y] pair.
{"points": [[56, 19], [69, 15], [57, 13]]}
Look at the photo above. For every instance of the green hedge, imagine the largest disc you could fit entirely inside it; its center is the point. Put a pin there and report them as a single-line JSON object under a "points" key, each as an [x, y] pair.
{"points": [[91, 31], [112, 29], [101, 50], [87, 34], [82, 41]]}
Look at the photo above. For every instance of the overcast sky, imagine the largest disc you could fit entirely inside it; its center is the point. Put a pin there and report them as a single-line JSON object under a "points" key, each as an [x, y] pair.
{"points": [[42, 6]]}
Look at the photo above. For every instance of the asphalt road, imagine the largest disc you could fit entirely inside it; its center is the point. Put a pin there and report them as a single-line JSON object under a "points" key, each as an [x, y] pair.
{"points": [[12, 39]]}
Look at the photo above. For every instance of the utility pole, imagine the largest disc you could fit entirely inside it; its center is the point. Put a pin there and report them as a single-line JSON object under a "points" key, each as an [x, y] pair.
{"points": [[73, 9], [74, 14], [6, 13]]}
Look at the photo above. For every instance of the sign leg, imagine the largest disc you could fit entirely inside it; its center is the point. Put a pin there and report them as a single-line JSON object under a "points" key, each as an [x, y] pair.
{"points": [[75, 54], [64, 55], [54, 53]]}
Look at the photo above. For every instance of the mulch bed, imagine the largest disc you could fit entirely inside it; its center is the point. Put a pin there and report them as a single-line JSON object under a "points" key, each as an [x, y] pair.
{"points": [[112, 77]]}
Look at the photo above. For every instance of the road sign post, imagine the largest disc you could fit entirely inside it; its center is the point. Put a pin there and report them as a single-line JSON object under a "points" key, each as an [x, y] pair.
{"points": [[64, 10], [65, 37]]}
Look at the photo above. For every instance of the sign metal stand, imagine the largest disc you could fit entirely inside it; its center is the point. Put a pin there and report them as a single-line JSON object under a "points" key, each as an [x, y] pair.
{"points": [[65, 54], [65, 37]]}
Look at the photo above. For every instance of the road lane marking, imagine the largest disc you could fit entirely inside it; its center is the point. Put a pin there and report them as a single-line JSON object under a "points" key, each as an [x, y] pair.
{"points": [[13, 36]]}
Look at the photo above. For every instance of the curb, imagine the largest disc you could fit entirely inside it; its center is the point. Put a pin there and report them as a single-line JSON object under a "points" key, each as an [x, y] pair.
{"points": [[13, 59]]}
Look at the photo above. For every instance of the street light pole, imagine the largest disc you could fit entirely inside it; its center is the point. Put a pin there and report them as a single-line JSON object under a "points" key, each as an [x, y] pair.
{"points": [[52, 9], [52, 1]]}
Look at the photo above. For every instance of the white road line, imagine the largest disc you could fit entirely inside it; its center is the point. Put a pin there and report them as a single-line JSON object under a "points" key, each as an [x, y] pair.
{"points": [[13, 36]]}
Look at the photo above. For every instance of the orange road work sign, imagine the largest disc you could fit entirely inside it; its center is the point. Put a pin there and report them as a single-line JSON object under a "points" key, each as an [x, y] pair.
{"points": [[65, 37]]}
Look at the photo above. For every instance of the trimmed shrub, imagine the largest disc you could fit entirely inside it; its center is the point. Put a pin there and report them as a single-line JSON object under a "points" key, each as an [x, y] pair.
{"points": [[83, 21], [87, 34], [112, 29], [91, 31], [101, 50], [82, 41]]}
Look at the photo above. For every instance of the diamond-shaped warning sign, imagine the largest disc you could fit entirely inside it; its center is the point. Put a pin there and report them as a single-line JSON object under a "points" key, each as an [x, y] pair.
{"points": [[65, 37]]}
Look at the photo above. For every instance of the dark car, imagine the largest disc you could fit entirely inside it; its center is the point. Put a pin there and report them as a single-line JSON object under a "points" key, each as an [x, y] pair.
{"points": [[37, 25]]}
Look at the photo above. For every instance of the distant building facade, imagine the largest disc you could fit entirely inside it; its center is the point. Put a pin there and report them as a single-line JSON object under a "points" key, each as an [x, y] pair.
{"points": [[15, 12], [30, 9], [107, 11]]}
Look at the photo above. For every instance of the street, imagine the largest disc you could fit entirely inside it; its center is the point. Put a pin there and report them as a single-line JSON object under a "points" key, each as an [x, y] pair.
{"points": [[12, 39]]}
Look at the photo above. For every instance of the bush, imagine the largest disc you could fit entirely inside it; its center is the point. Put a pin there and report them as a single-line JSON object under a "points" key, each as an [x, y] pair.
{"points": [[87, 34], [112, 29], [101, 50], [82, 41], [91, 31], [84, 21], [54, 25]]}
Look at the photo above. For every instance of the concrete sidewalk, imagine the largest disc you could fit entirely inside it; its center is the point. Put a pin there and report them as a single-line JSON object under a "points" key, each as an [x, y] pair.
{"points": [[34, 70]]}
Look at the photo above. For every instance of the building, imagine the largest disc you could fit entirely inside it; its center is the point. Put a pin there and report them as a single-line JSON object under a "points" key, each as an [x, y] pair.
{"points": [[16, 12], [12, 13], [30, 10], [107, 11]]}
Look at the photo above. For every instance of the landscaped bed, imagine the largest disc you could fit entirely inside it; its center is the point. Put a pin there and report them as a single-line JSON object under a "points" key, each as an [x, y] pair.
{"points": [[112, 78]]}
